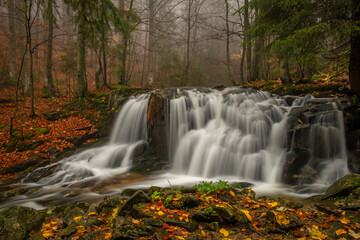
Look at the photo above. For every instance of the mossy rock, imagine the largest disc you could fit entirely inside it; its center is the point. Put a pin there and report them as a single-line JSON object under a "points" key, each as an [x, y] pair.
{"points": [[10, 147], [33, 161], [16, 222], [133, 232], [55, 115], [343, 186], [43, 130], [22, 146], [29, 135]]}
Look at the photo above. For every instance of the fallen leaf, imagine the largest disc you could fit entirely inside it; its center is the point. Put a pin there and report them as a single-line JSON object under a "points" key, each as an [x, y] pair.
{"points": [[108, 235], [344, 220], [180, 237], [246, 212], [354, 234], [341, 231], [224, 232], [281, 218]]}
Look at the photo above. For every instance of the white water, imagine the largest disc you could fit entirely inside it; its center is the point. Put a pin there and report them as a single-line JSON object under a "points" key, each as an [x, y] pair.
{"points": [[128, 134], [242, 134]]}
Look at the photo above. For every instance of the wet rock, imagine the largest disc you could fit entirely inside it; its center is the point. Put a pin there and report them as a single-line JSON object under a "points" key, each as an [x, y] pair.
{"points": [[138, 197], [109, 204], [307, 175], [343, 186], [121, 221], [129, 192], [90, 222], [296, 160], [153, 222], [190, 201], [354, 161], [203, 216], [189, 226], [16, 222], [69, 217], [241, 185], [37, 236], [69, 230], [283, 221], [290, 99], [226, 213], [99, 234], [188, 190], [132, 232], [157, 125]]}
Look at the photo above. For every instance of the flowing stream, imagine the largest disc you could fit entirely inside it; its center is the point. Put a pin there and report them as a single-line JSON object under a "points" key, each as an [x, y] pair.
{"points": [[235, 135]]}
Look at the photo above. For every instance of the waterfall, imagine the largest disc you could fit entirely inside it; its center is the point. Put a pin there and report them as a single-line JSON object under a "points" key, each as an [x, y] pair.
{"points": [[128, 135], [243, 133]]}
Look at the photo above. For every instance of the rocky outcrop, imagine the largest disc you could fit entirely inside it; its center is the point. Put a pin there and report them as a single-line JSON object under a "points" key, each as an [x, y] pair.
{"points": [[17, 222]]}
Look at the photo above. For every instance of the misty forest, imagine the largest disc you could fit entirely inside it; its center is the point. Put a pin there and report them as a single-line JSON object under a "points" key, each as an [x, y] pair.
{"points": [[179, 119]]}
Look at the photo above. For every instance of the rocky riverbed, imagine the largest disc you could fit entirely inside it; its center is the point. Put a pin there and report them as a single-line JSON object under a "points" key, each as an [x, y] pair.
{"points": [[209, 210]]}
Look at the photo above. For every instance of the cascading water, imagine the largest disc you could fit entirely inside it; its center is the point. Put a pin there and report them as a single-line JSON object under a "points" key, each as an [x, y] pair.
{"points": [[235, 135], [128, 134], [242, 133]]}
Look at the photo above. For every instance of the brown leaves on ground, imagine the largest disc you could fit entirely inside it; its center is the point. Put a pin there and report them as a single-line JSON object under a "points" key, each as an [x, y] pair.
{"points": [[27, 129]]}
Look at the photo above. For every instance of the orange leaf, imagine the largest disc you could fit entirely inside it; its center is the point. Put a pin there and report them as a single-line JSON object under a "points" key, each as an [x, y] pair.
{"points": [[341, 231]]}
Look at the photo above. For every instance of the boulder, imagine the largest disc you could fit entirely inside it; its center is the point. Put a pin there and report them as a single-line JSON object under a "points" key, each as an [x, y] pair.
{"points": [[226, 213], [343, 186], [138, 197], [190, 201], [16, 222], [55, 115], [203, 216], [109, 204], [132, 232]]}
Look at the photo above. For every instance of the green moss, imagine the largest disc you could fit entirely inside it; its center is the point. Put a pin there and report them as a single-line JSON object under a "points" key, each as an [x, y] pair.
{"points": [[29, 135], [43, 130], [4, 127]]}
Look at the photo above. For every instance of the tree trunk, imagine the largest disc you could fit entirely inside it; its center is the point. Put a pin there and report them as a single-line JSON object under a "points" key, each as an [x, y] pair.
{"points": [[248, 45], [12, 43], [150, 78], [103, 46], [354, 64], [49, 87], [228, 60], [188, 37], [28, 25], [25, 81], [81, 38]]}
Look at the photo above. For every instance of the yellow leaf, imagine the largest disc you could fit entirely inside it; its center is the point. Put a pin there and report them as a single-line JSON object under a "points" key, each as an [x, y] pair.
{"points": [[344, 220], [180, 237], [246, 212], [281, 218], [77, 218], [232, 193], [224, 232], [341, 231], [92, 213], [115, 211], [226, 239], [135, 221], [47, 234], [315, 227], [273, 204], [108, 235], [203, 234], [161, 213]]}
